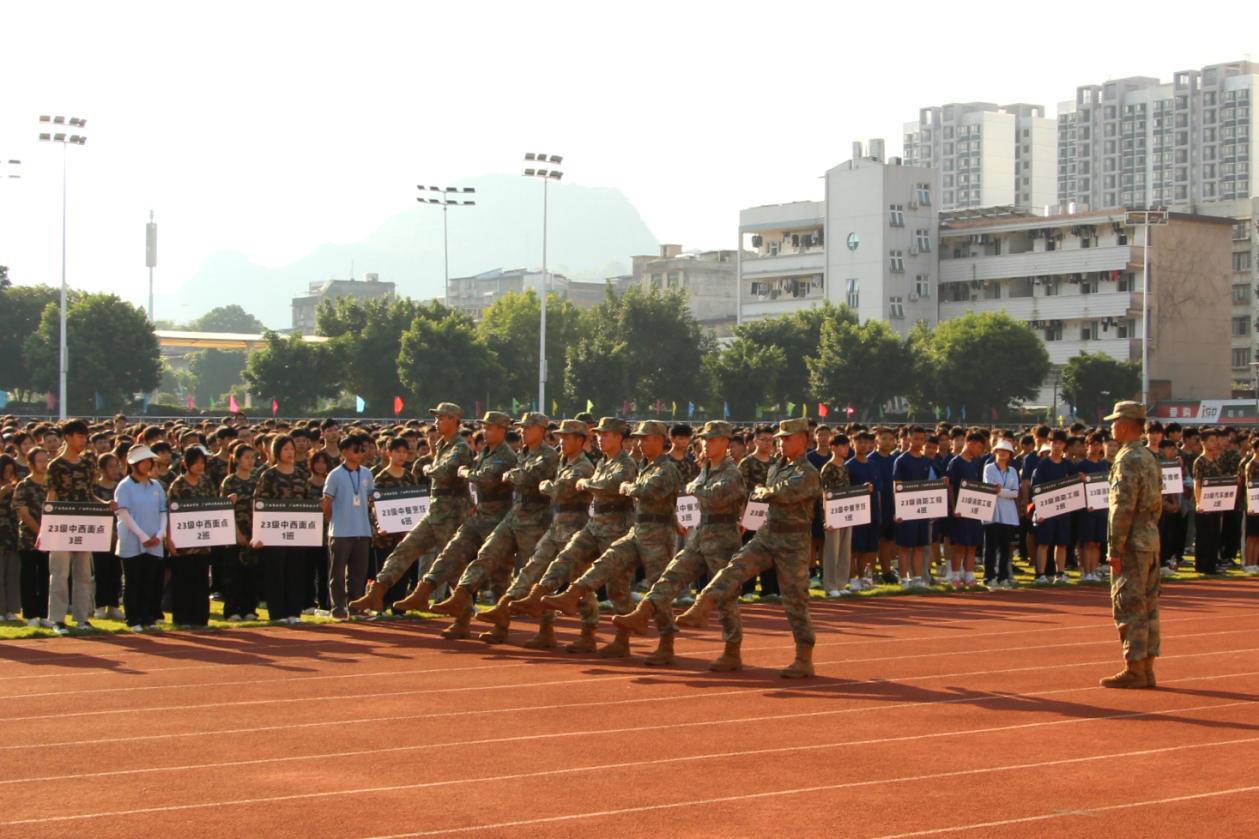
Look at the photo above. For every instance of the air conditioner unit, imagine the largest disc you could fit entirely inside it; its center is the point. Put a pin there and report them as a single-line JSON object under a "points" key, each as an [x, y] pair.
{"points": [[757, 241]]}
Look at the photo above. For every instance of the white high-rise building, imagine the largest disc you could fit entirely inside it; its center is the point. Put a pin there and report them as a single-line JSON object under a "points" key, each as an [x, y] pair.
{"points": [[988, 155]]}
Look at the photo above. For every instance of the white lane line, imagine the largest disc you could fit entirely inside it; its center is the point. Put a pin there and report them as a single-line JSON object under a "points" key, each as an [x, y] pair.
{"points": [[796, 791], [1087, 811], [402, 674]]}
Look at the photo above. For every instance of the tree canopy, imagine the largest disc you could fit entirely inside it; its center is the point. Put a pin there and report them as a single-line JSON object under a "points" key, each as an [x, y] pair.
{"points": [[230, 318], [293, 372], [1093, 382]]}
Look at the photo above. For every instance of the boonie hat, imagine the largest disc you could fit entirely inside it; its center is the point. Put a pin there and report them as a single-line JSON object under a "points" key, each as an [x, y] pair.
{"points": [[446, 409], [787, 427], [1127, 410]]}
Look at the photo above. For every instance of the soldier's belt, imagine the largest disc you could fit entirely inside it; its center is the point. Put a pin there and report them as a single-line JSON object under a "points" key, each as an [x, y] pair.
{"points": [[653, 518], [571, 508], [495, 495], [788, 527], [447, 493], [535, 500], [613, 507], [720, 518]]}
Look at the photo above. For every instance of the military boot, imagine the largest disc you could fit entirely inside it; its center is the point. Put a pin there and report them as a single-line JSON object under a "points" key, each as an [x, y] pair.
{"points": [[566, 603], [586, 643], [456, 604], [730, 661], [499, 614], [637, 621], [697, 616], [460, 629], [532, 604], [417, 600], [497, 635], [1150, 682], [373, 600], [545, 639], [663, 654], [1133, 676], [620, 646], [802, 666]]}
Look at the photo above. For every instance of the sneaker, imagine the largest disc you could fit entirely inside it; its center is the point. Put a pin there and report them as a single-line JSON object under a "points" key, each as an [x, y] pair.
{"points": [[155, 626], [843, 592], [33, 623], [310, 610], [251, 617], [114, 613], [856, 586], [340, 614], [770, 598], [890, 578], [1042, 580], [323, 613], [1060, 580], [919, 583], [84, 625], [293, 620], [833, 593], [684, 599], [233, 618], [44, 623], [100, 613], [10, 616], [136, 628], [955, 583], [969, 579], [60, 629], [905, 583], [1167, 572]]}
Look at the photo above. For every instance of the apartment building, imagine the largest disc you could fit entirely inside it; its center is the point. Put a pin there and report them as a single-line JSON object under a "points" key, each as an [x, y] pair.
{"points": [[306, 306], [1076, 280], [708, 278]]}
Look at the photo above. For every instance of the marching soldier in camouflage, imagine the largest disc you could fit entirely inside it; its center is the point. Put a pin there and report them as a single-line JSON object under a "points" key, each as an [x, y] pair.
{"points": [[720, 490], [569, 514], [447, 509], [1136, 501], [493, 499], [791, 489], [518, 533], [651, 542], [613, 514]]}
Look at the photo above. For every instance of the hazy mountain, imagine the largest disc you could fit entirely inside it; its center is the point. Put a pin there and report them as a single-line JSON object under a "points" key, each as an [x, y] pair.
{"points": [[593, 233]]}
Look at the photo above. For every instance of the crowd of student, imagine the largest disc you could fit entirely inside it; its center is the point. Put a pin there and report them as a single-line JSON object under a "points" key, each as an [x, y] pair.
{"points": [[137, 466]]}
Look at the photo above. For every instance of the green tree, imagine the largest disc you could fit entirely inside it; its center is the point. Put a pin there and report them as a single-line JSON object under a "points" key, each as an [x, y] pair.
{"points": [[984, 362], [797, 334], [21, 308], [509, 327], [214, 373], [747, 375], [230, 318], [111, 351], [446, 360], [1092, 382], [862, 365], [293, 372], [367, 340], [595, 371]]}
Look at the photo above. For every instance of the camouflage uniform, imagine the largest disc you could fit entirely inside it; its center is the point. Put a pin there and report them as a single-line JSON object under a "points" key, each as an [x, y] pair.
{"points": [[791, 488], [71, 482], [569, 514], [611, 520], [518, 534], [448, 508], [493, 502], [1136, 487], [651, 541], [720, 492]]}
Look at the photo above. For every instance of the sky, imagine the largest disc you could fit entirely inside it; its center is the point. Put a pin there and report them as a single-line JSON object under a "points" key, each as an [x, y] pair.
{"points": [[272, 127]]}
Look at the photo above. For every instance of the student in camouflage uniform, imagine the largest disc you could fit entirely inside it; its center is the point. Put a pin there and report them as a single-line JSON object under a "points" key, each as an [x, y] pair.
{"points": [[612, 516], [650, 542], [1136, 487], [792, 487], [569, 513], [71, 477], [393, 473], [720, 491], [448, 508], [519, 532], [755, 471]]}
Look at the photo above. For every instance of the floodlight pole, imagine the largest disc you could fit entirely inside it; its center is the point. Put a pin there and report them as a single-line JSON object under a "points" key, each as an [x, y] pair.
{"points": [[1145, 218], [544, 166], [446, 203]]}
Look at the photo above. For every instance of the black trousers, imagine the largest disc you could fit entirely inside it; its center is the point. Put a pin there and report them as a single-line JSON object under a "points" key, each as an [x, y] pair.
{"points": [[284, 580], [316, 592], [34, 584], [242, 580], [142, 594], [108, 580], [997, 540], [1231, 536], [190, 585], [1207, 543]]}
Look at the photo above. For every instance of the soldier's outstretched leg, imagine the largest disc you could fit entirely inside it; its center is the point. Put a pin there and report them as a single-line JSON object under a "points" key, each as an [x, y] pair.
{"points": [[422, 538]]}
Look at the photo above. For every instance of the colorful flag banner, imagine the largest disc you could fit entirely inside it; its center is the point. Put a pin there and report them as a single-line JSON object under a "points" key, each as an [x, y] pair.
{"points": [[555, 408], [725, 410], [146, 403], [359, 404], [100, 402], [850, 410], [822, 410], [52, 401], [690, 410], [275, 408], [590, 406], [791, 408], [4, 398], [234, 406], [190, 402], [675, 409], [397, 405]]}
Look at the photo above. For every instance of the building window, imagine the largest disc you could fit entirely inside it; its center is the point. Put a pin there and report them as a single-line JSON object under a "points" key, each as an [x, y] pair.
{"points": [[1241, 294], [922, 240], [1088, 331], [896, 262], [896, 308], [896, 215], [1241, 261], [1241, 231], [657, 280], [854, 293], [922, 194], [922, 285], [1241, 357], [1241, 326]]}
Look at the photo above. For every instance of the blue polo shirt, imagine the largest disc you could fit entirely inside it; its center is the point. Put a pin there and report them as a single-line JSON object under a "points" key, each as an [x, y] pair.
{"points": [[343, 486], [145, 502]]}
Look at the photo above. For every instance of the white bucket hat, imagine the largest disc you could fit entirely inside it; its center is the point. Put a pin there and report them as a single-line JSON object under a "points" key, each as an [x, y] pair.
{"points": [[135, 454]]}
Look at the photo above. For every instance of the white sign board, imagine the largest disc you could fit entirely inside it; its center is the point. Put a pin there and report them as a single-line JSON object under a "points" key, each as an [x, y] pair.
{"points": [[1097, 491], [1218, 495], [202, 522], [688, 511], [1173, 481], [287, 523], [1058, 498], [75, 526], [977, 501], [398, 509], [848, 507], [1252, 499], [754, 515], [915, 500]]}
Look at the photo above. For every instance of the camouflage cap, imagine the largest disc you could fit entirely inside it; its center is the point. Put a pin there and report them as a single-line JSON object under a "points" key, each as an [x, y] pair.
{"points": [[787, 427], [615, 424], [572, 426], [646, 427], [716, 428], [497, 418], [1127, 410], [533, 418], [446, 409]]}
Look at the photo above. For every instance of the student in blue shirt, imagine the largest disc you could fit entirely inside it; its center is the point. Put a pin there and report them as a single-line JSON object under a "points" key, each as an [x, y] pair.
{"points": [[865, 538], [347, 493], [1092, 535], [966, 534], [884, 459], [1053, 532], [141, 512], [939, 533], [912, 537]]}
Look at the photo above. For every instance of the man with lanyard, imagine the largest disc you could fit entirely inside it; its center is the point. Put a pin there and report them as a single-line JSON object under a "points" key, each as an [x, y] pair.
{"points": [[791, 492], [447, 510], [345, 506]]}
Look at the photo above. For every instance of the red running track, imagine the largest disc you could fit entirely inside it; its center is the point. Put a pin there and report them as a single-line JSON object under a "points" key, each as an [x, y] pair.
{"points": [[974, 715]]}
